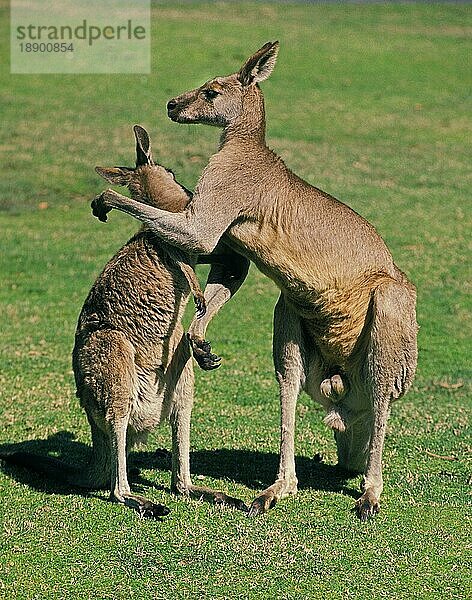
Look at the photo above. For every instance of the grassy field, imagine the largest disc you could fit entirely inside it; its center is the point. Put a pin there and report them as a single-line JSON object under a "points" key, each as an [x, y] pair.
{"points": [[369, 102]]}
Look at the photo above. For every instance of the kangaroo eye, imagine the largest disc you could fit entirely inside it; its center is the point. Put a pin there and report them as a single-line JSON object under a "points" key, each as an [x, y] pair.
{"points": [[211, 94]]}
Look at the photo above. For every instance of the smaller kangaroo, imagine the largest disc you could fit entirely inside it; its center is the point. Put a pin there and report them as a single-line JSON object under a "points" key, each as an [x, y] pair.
{"points": [[131, 359]]}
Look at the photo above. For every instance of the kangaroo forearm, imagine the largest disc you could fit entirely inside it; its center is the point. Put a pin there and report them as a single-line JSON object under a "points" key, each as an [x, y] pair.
{"points": [[216, 295], [223, 282], [178, 229]]}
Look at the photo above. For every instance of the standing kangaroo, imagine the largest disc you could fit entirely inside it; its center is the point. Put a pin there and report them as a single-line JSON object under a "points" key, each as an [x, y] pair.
{"points": [[131, 359], [344, 325]]}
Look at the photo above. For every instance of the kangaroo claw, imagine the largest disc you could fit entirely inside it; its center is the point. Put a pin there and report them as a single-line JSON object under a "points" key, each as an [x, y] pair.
{"points": [[367, 506], [203, 355], [200, 306], [261, 505]]}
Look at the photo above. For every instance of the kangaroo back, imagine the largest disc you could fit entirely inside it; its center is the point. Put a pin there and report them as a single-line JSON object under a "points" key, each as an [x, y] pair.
{"points": [[156, 186]]}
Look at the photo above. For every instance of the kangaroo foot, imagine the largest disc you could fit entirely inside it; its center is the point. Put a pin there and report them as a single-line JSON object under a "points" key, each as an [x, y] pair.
{"points": [[262, 504], [145, 508], [212, 496], [202, 353], [149, 510], [270, 496], [225, 500], [215, 497], [367, 506]]}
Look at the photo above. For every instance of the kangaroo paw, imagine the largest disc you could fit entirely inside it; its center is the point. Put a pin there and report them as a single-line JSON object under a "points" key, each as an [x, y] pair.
{"points": [[203, 355], [334, 420], [200, 306], [99, 206]]}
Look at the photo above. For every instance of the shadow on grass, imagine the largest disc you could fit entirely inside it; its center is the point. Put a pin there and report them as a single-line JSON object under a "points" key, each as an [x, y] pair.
{"points": [[255, 470]]}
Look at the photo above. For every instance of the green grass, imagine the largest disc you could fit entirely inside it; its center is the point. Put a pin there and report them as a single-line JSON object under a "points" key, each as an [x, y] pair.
{"points": [[369, 102]]}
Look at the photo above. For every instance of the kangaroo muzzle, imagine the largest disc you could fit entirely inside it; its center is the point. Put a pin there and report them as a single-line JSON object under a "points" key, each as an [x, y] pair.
{"points": [[172, 109], [177, 108]]}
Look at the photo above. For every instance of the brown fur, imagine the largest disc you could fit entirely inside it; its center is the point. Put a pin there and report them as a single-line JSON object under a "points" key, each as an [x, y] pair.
{"points": [[344, 327], [131, 359]]}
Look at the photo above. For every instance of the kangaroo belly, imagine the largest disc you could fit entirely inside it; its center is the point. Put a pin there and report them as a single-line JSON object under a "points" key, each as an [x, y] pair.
{"points": [[337, 318], [147, 410], [332, 296], [302, 252]]}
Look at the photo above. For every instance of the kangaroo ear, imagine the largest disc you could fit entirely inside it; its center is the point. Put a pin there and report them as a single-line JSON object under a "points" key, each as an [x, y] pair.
{"points": [[115, 175], [143, 146], [260, 65]]}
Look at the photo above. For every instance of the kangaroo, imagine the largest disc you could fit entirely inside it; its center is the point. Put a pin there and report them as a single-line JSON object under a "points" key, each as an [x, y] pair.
{"points": [[131, 359], [345, 324]]}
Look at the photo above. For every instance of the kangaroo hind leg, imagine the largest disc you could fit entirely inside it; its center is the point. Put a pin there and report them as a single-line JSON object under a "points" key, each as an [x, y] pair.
{"points": [[289, 362], [389, 370], [116, 387]]}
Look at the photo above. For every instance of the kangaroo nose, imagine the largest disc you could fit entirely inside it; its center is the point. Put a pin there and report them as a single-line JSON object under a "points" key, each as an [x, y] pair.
{"points": [[171, 104]]}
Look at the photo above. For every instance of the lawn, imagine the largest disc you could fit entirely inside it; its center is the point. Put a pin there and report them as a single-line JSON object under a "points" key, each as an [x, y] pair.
{"points": [[369, 102]]}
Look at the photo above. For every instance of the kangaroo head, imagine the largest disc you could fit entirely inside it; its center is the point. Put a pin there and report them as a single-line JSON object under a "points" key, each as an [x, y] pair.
{"points": [[149, 183], [223, 101]]}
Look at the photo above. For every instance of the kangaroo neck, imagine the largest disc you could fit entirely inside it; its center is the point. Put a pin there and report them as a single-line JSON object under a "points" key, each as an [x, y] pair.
{"points": [[249, 127]]}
